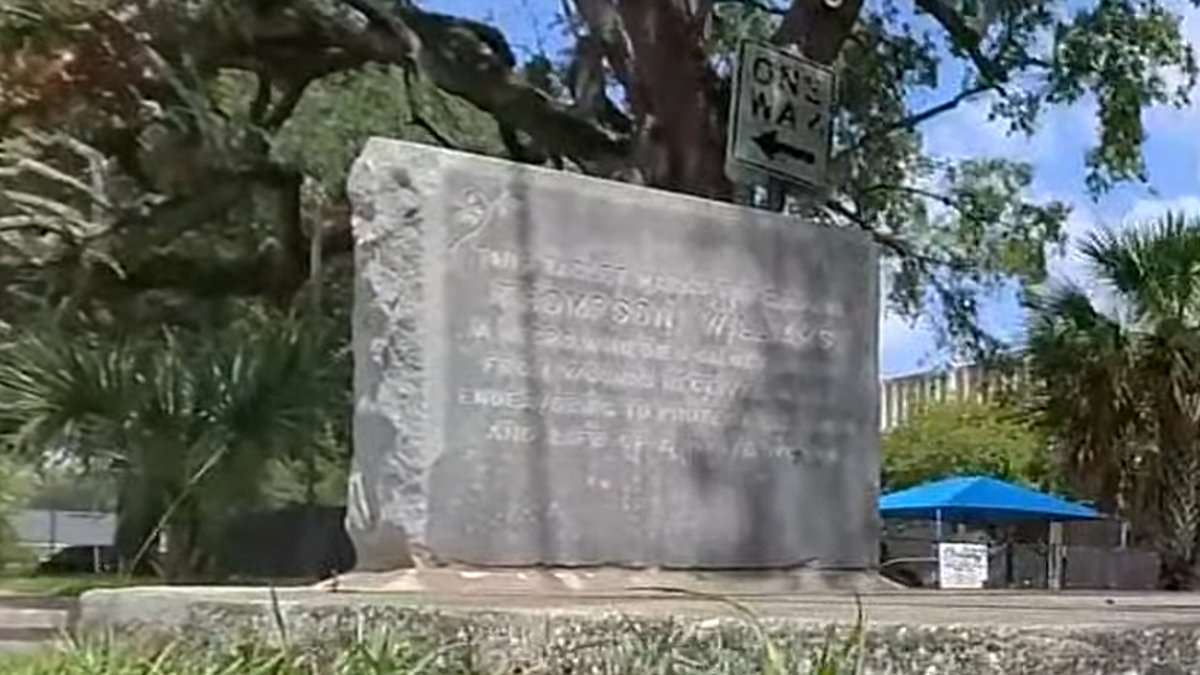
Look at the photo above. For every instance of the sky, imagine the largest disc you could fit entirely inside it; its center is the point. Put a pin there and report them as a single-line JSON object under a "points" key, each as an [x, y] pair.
{"points": [[1057, 151]]}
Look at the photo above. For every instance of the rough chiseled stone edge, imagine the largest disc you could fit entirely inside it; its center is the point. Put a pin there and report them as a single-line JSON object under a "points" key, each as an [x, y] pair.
{"points": [[393, 452], [583, 642]]}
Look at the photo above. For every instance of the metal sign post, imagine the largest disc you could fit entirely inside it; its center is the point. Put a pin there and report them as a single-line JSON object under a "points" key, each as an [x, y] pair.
{"points": [[781, 121]]}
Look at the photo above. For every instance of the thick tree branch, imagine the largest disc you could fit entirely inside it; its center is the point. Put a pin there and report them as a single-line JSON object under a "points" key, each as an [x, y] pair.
{"points": [[587, 79], [302, 40], [893, 243], [247, 276], [201, 277], [916, 119], [471, 60], [181, 214], [286, 106], [967, 39], [948, 200], [607, 26], [680, 128], [262, 100], [417, 119], [886, 240], [819, 31], [398, 38], [920, 192], [701, 11]]}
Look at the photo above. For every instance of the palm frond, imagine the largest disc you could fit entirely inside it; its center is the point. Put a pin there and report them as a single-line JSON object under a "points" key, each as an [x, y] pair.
{"points": [[277, 383], [1154, 267], [53, 388], [196, 420], [1083, 369]]}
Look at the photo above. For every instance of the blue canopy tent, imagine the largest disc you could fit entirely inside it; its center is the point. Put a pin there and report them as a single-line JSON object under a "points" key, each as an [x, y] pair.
{"points": [[979, 499]]}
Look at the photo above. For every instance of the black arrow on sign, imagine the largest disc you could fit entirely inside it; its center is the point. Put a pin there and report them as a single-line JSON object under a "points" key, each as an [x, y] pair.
{"points": [[770, 144]]}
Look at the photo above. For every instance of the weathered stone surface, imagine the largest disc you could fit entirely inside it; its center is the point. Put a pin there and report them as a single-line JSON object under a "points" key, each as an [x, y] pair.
{"points": [[552, 369]]}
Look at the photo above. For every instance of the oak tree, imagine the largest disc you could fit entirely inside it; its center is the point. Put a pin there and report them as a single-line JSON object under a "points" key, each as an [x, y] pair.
{"points": [[147, 166]]}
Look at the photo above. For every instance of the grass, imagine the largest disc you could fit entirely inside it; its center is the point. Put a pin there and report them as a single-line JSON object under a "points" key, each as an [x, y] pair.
{"points": [[372, 657], [428, 646], [392, 653], [64, 586], [72, 586]]}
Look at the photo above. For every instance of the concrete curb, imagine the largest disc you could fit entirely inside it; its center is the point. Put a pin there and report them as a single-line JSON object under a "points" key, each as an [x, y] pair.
{"points": [[931, 633]]}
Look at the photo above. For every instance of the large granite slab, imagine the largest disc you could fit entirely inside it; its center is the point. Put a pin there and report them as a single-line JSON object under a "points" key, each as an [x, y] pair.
{"points": [[552, 369]]}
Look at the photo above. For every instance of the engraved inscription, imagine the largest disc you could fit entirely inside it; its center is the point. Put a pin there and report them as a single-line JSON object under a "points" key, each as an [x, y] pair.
{"points": [[565, 349]]}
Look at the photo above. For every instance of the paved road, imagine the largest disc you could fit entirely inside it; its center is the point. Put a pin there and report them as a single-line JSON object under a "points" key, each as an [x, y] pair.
{"points": [[1015, 609], [28, 623], [1070, 610]]}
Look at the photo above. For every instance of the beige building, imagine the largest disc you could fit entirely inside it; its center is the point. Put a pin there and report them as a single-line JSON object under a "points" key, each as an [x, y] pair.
{"points": [[900, 396]]}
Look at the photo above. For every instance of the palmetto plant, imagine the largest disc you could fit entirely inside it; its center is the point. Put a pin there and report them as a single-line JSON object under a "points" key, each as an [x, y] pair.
{"points": [[188, 423], [1119, 385]]}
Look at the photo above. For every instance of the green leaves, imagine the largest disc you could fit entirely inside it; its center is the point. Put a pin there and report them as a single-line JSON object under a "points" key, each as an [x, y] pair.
{"points": [[183, 418], [959, 438], [58, 391], [1130, 54], [990, 222], [246, 93], [245, 385], [977, 234], [338, 114]]}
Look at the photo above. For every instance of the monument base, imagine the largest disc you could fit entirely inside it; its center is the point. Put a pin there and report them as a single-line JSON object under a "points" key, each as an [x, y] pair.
{"points": [[608, 581]]}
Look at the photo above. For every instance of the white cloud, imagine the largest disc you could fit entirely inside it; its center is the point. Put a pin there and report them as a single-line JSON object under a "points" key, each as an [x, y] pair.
{"points": [[904, 346], [1085, 219], [1151, 209], [968, 132]]}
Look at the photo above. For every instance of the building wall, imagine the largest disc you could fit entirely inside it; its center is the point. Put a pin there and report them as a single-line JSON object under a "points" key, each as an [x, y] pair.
{"points": [[901, 396], [46, 532]]}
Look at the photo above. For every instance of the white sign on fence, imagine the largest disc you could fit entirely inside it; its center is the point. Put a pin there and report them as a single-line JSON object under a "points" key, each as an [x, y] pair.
{"points": [[962, 565], [781, 121]]}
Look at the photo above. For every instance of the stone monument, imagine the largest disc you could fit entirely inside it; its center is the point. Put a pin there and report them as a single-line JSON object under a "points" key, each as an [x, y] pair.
{"points": [[555, 370]]}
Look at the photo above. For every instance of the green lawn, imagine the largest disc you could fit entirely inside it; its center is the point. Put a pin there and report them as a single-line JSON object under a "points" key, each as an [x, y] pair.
{"points": [[70, 586], [66, 586]]}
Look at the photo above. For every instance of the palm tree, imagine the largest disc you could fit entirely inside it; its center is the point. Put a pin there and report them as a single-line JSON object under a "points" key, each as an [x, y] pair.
{"points": [[188, 424], [1118, 385]]}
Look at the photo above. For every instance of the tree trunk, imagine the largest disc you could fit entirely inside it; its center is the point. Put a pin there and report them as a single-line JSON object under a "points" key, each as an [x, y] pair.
{"points": [[679, 103], [185, 557], [818, 29], [1181, 516], [656, 50], [137, 515], [1179, 490]]}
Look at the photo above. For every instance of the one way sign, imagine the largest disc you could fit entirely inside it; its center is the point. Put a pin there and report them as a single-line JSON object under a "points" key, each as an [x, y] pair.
{"points": [[781, 119]]}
